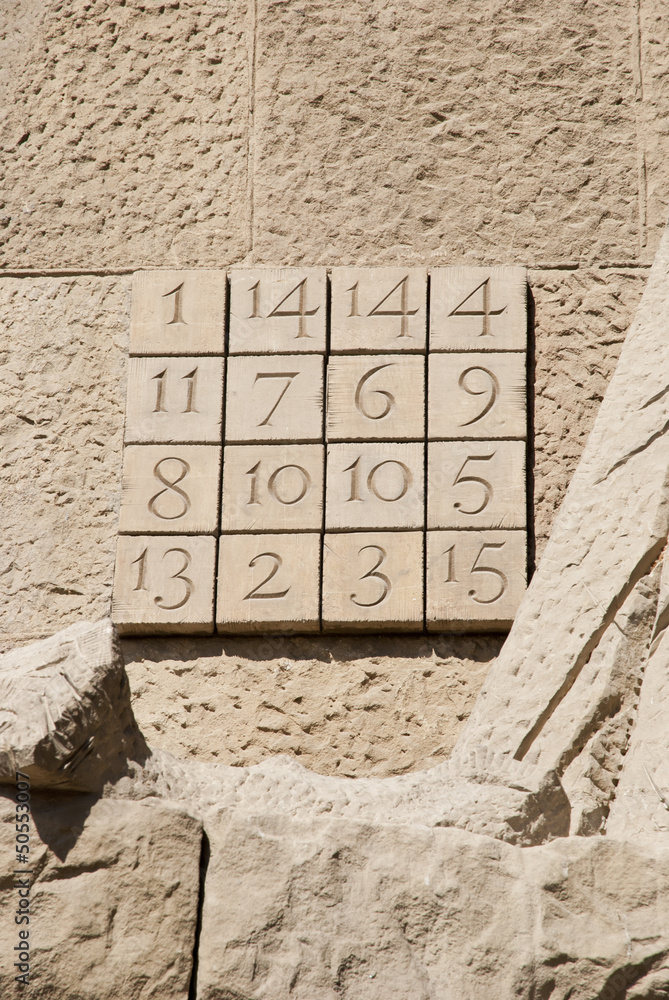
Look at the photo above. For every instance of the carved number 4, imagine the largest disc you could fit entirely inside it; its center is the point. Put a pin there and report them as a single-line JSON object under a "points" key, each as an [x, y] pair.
{"points": [[485, 312], [403, 312], [301, 312]]}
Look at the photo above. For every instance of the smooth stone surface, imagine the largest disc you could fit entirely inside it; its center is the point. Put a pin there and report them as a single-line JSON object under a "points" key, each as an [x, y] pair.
{"points": [[174, 400], [476, 484], [477, 395], [274, 398], [170, 489], [277, 310], [178, 312], [375, 485], [378, 309], [478, 309], [375, 398]]}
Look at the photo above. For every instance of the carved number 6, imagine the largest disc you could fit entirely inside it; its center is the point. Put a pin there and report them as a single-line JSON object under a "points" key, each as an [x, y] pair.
{"points": [[476, 568], [361, 403]]}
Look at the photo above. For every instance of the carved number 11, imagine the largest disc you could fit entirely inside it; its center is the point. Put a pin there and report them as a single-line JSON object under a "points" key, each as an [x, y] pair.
{"points": [[190, 378]]}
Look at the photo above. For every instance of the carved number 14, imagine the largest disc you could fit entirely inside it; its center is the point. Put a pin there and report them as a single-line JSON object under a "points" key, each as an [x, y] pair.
{"points": [[477, 567]]}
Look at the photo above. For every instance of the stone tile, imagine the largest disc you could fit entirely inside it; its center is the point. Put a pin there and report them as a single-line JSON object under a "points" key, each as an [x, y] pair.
{"points": [[478, 309], [375, 398], [475, 579], [378, 309], [178, 312], [373, 580], [174, 400], [272, 487], [170, 489], [274, 399], [375, 485], [277, 310], [477, 395], [164, 584], [268, 583], [476, 484]]}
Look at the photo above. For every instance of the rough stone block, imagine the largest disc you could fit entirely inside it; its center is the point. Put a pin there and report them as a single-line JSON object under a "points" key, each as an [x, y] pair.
{"points": [[170, 489], [164, 584], [272, 487], [373, 580], [178, 312], [375, 485], [476, 484], [477, 396], [174, 400], [268, 583], [274, 399], [277, 310], [478, 309], [475, 579], [376, 398], [378, 309]]}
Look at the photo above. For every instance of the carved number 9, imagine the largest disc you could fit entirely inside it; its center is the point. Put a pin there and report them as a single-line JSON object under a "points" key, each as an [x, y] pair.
{"points": [[363, 396], [491, 389]]}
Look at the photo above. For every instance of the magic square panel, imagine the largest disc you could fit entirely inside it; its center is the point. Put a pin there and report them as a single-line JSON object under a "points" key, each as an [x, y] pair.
{"points": [[324, 450]]}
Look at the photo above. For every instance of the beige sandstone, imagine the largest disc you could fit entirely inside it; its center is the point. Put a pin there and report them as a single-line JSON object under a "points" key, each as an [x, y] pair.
{"points": [[477, 396], [476, 484], [277, 310], [378, 309], [375, 485], [381, 397], [477, 309], [274, 398], [178, 312], [174, 400]]}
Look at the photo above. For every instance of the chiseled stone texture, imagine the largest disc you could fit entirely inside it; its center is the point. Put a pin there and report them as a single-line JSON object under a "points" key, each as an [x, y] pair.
{"points": [[342, 706], [125, 135], [113, 904]]}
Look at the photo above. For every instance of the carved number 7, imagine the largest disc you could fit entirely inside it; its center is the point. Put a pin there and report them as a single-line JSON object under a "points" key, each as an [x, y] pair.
{"points": [[287, 375]]}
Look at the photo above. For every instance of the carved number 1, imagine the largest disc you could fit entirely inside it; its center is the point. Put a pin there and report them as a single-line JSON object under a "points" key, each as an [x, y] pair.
{"points": [[178, 313], [159, 379]]}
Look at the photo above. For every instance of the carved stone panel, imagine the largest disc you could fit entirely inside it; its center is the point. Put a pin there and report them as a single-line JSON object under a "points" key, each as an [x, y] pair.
{"points": [[477, 396], [274, 398], [378, 309], [478, 309], [178, 312], [379, 397], [277, 310], [269, 582], [373, 579], [377, 485], [476, 484], [269, 487], [475, 579], [170, 489], [174, 400], [164, 584]]}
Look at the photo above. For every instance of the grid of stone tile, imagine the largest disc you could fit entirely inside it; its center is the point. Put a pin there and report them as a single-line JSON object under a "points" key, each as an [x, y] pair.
{"points": [[337, 450]]}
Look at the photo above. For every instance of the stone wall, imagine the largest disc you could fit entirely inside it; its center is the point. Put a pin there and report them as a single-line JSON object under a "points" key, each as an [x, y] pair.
{"points": [[146, 134]]}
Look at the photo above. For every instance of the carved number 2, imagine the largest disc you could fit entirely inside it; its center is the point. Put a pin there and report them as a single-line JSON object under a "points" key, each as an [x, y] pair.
{"points": [[256, 593]]}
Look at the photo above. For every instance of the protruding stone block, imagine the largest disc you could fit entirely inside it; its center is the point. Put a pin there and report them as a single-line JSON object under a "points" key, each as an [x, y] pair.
{"points": [[475, 579], [477, 396], [272, 487], [174, 400], [381, 397], [178, 312], [373, 580], [378, 309], [170, 489], [268, 583], [478, 309], [164, 584], [476, 484], [277, 310], [274, 399], [378, 485]]}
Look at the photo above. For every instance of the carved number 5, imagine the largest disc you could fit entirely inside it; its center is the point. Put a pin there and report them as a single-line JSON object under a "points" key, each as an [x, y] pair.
{"points": [[373, 574], [487, 487], [501, 577]]}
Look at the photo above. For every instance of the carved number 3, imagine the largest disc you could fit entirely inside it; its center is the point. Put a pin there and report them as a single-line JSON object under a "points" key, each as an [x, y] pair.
{"points": [[373, 574]]}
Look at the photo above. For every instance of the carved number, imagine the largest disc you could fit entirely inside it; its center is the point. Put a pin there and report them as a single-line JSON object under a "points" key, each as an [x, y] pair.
{"points": [[191, 378], [287, 375], [178, 575], [492, 391], [301, 312], [274, 485], [373, 574], [255, 594], [171, 487], [405, 473], [487, 487], [485, 313], [178, 305], [362, 401], [501, 577], [403, 312]]}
